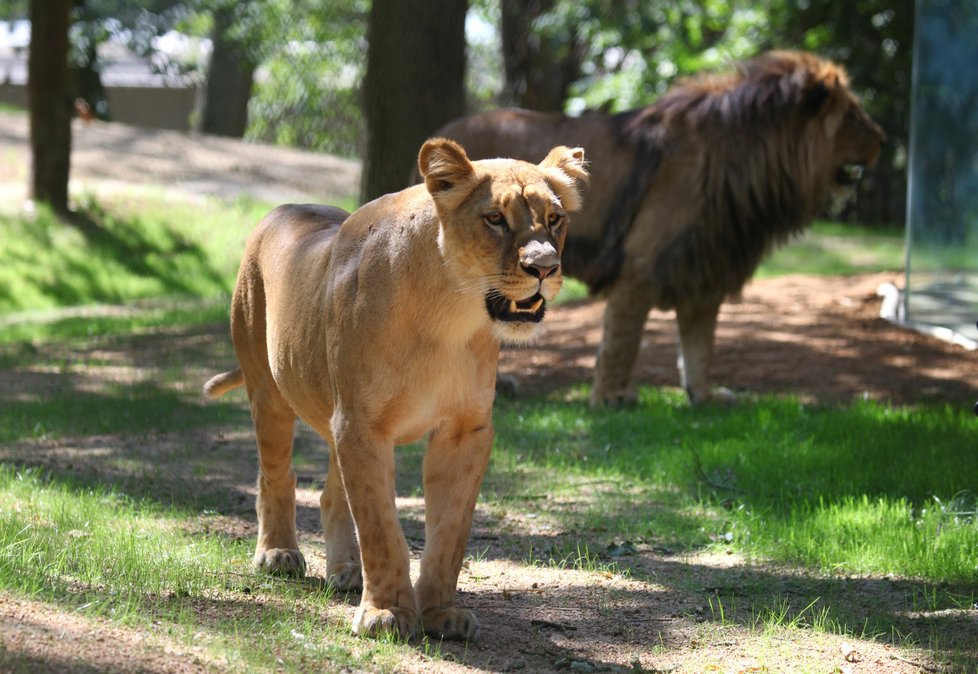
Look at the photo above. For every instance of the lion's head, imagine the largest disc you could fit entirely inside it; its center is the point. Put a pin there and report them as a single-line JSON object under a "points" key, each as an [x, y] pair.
{"points": [[502, 227], [827, 107], [763, 149]]}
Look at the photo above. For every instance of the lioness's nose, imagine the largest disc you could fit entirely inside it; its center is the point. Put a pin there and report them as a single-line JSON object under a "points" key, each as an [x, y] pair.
{"points": [[539, 258], [541, 271]]}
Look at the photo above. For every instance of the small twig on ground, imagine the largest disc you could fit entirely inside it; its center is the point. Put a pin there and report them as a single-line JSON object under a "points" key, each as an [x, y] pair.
{"points": [[919, 665], [705, 478]]}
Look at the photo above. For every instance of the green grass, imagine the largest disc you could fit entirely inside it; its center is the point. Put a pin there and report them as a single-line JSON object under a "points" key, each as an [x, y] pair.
{"points": [[862, 489], [831, 248], [99, 552], [121, 251]]}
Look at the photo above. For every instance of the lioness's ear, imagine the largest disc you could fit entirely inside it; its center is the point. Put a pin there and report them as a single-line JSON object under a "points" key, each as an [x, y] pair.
{"points": [[564, 167], [443, 165], [569, 160]]}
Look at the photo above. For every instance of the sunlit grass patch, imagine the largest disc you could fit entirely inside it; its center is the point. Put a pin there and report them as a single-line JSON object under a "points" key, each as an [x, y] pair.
{"points": [[838, 248], [859, 534], [862, 489], [101, 552], [121, 250], [59, 540]]}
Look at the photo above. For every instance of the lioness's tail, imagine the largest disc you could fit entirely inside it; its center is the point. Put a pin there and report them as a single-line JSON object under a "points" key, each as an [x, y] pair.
{"points": [[222, 383]]}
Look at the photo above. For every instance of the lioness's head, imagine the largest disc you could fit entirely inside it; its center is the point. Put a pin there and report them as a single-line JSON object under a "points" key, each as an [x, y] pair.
{"points": [[502, 227]]}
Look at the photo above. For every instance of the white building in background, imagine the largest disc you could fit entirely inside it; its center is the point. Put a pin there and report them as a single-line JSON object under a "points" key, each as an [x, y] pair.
{"points": [[139, 92]]}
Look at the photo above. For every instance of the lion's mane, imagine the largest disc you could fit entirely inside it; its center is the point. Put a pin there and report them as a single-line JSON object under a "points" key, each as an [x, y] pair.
{"points": [[760, 180]]}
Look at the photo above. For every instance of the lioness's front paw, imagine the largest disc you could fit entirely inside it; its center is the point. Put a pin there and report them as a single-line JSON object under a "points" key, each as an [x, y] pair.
{"points": [[397, 622], [281, 562], [450, 623], [345, 577]]}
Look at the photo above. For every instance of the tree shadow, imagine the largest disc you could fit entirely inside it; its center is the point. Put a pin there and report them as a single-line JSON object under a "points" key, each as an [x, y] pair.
{"points": [[178, 265]]}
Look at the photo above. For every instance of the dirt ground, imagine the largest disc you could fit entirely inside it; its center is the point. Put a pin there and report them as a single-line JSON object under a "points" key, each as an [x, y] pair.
{"points": [[818, 338]]}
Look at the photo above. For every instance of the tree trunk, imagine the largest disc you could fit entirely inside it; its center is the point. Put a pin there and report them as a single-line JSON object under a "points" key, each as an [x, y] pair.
{"points": [[540, 67], [223, 108], [49, 102], [415, 83]]}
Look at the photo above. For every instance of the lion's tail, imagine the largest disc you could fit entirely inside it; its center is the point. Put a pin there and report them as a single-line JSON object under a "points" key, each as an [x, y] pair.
{"points": [[222, 383]]}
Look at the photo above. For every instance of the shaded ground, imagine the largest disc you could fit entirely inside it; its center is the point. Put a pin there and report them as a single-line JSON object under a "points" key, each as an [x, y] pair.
{"points": [[818, 338]]}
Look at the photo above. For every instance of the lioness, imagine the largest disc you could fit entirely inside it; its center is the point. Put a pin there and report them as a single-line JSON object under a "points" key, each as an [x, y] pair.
{"points": [[377, 328], [691, 192]]}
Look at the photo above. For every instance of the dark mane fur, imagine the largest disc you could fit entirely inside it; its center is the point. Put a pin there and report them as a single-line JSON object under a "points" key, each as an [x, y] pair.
{"points": [[758, 179]]}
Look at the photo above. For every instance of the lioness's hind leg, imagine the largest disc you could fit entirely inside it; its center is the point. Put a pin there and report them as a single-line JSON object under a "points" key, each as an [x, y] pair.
{"points": [[454, 464], [278, 546], [342, 551]]}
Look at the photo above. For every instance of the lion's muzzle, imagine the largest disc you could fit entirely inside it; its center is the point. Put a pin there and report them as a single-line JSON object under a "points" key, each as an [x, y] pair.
{"points": [[849, 174]]}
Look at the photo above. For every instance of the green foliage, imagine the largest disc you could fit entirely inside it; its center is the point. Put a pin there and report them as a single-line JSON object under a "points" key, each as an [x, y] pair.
{"points": [[309, 98], [14, 10], [635, 50], [306, 92]]}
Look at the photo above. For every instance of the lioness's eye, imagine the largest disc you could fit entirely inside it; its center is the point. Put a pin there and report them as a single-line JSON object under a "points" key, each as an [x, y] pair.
{"points": [[554, 219], [495, 219]]}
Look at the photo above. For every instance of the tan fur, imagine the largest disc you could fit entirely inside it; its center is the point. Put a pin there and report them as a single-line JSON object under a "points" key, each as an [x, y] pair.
{"points": [[687, 195], [375, 329]]}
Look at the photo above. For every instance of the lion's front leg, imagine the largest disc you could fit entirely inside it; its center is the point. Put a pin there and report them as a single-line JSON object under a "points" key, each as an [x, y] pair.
{"points": [[342, 551], [366, 462], [697, 332], [454, 463], [624, 322]]}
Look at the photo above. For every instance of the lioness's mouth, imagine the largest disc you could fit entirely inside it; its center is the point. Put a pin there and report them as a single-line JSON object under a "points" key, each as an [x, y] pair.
{"points": [[849, 174], [502, 308]]}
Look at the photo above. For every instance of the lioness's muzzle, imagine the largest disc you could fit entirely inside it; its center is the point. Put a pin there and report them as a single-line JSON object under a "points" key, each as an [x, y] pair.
{"points": [[502, 308]]}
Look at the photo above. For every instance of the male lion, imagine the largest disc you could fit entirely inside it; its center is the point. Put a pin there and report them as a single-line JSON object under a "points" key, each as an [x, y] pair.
{"points": [[688, 194], [376, 328]]}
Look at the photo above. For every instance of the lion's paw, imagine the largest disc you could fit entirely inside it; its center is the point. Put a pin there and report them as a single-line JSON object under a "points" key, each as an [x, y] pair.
{"points": [[346, 577], [281, 562], [397, 622], [613, 399], [723, 395], [719, 395], [450, 623]]}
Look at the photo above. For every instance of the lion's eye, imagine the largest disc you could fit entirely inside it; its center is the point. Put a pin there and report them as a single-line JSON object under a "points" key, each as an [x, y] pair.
{"points": [[495, 219], [554, 219]]}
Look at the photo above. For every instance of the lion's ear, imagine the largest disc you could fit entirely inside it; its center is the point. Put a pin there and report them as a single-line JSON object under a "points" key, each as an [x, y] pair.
{"points": [[565, 167], [815, 96], [443, 165]]}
